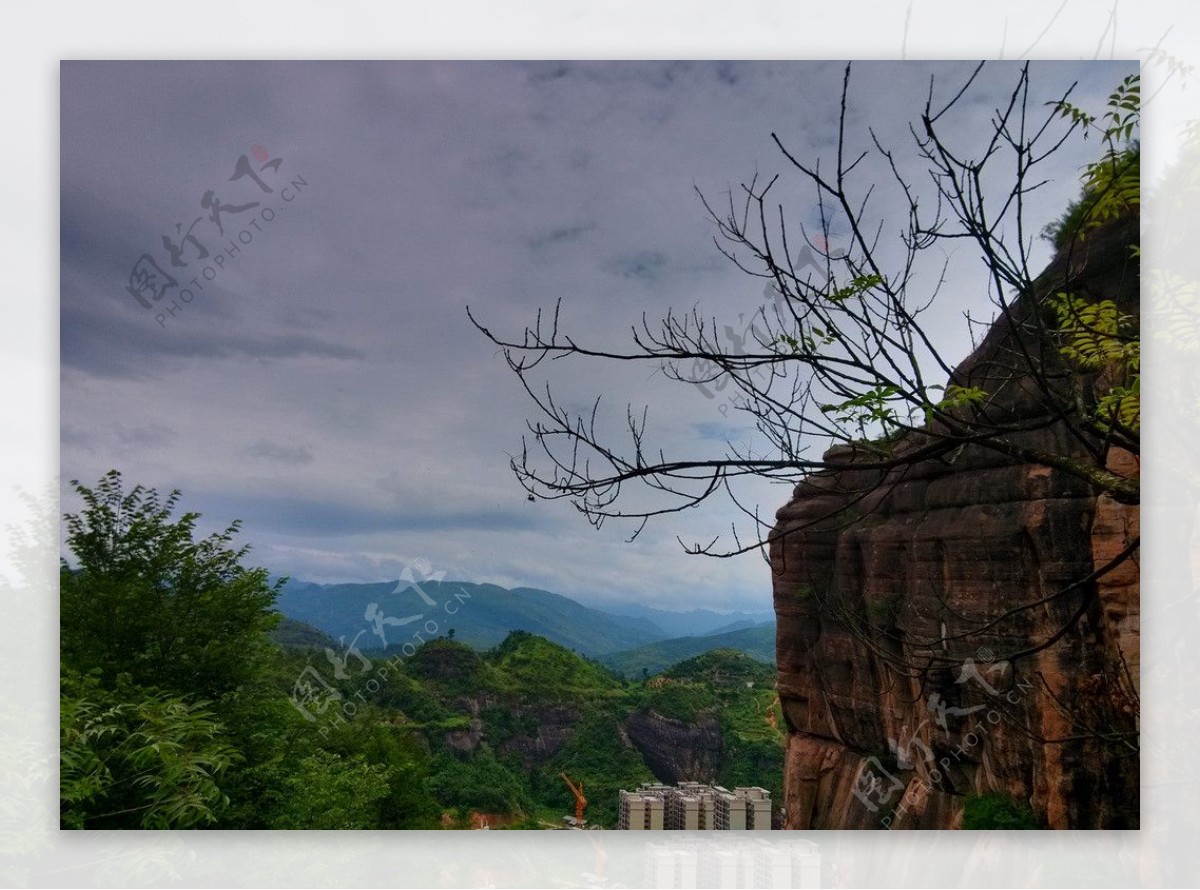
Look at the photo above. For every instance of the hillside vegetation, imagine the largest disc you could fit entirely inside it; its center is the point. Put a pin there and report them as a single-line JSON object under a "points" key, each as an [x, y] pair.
{"points": [[187, 701]]}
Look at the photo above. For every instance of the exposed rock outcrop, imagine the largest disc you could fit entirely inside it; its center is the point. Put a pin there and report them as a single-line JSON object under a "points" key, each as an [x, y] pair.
{"points": [[676, 751], [938, 637], [548, 730]]}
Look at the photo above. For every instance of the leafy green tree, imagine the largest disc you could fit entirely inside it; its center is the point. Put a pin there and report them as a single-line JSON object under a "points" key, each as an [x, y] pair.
{"points": [[175, 708], [374, 737], [167, 689], [271, 735], [145, 598]]}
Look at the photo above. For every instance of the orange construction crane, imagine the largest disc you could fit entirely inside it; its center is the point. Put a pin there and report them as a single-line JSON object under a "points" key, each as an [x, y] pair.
{"points": [[580, 800]]}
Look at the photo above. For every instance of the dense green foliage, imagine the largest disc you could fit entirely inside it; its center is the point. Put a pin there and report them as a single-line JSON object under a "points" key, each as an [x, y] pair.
{"points": [[327, 791], [1093, 206], [200, 708], [145, 599], [478, 782], [174, 703], [139, 757], [997, 811], [1111, 185]]}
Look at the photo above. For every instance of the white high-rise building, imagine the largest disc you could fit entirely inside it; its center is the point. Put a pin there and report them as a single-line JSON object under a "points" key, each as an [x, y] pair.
{"points": [[694, 806]]}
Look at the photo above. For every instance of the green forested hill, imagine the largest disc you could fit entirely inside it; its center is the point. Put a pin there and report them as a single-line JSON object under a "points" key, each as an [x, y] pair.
{"points": [[502, 725], [297, 634]]}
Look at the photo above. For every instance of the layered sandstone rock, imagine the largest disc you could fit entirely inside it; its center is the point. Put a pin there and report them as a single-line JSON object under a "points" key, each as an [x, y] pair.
{"points": [[676, 751], [938, 636]]}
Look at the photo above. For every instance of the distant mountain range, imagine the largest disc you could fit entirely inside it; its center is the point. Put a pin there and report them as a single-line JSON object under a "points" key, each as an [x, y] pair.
{"points": [[758, 642], [481, 615], [694, 623], [389, 614]]}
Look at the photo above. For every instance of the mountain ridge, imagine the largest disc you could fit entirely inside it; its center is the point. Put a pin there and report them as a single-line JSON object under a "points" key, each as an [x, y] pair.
{"points": [[757, 642], [626, 637], [392, 613]]}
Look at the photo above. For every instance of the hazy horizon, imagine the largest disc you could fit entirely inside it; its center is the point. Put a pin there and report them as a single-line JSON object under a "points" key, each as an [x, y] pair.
{"points": [[599, 604]]}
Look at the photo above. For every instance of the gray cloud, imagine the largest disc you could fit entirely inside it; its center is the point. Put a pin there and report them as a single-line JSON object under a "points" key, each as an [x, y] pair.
{"points": [[151, 435], [560, 235], [327, 387], [333, 519], [280, 452], [642, 265]]}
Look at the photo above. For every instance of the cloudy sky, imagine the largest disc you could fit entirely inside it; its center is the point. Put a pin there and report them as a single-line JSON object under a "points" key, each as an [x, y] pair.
{"points": [[324, 383]]}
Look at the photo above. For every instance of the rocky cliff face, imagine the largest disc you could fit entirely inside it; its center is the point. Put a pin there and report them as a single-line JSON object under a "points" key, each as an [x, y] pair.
{"points": [[940, 637], [676, 751]]}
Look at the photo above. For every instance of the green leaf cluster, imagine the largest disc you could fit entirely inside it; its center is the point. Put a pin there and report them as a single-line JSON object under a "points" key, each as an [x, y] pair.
{"points": [[142, 757], [1111, 185], [857, 286], [874, 405], [997, 811], [1097, 337]]}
